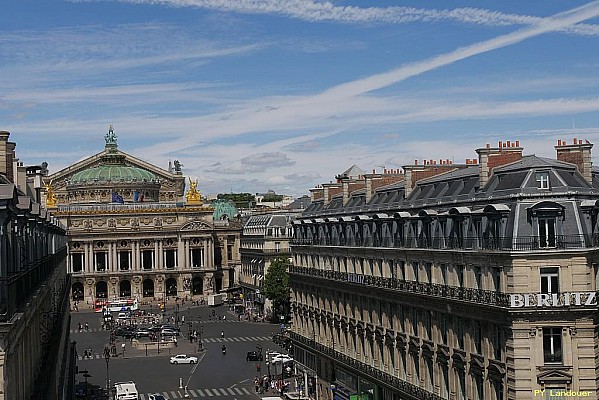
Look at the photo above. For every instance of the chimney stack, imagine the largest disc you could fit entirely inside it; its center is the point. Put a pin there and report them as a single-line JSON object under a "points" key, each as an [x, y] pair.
{"points": [[489, 158], [578, 154], [7, 156]]}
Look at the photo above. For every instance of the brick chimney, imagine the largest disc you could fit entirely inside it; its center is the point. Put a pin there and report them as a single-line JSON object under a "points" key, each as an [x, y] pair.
{"points": [[7, 155], [374, 180], [429, 168], [330, 190], [579, 154], [316, 193], [491, 157]]}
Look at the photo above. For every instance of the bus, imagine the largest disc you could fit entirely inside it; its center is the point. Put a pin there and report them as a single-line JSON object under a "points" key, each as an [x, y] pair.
{"points": [[116, 305]]}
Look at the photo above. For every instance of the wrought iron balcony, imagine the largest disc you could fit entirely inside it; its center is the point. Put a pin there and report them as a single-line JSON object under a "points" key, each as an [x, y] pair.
{"points": [[516, 243], [17, 288], [373, 373], [487, 297]]}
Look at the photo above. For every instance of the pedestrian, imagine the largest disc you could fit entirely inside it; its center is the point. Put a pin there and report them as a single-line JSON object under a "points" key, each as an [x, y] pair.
{"points": [[222, 334], [123, 349], [175, 341], [86, 326]]}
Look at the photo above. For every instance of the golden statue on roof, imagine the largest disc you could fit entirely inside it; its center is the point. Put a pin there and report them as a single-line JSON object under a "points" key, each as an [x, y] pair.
{"points": [[50, 196], [193, 195]]}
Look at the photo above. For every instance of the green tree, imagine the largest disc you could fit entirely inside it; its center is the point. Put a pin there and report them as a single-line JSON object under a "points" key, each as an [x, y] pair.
{"points": [[241, 200], [272, 197], [276, 286]]}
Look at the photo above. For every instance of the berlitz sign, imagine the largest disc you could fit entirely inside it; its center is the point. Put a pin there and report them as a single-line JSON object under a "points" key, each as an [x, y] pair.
{"points": [[541, 300]]}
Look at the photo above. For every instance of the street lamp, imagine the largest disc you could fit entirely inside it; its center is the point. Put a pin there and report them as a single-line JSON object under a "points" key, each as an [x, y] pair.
{"points": [[107, 359]]}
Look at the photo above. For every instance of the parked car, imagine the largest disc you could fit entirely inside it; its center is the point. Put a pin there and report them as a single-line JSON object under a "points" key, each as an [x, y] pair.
{"points": [[123, 330], [253, 356], [157, 396], [169, 332], [183, 359], [171, 327], [142, 332]]}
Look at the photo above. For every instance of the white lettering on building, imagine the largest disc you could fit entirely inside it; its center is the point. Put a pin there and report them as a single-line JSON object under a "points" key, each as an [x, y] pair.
{"points": [[542, 300]]}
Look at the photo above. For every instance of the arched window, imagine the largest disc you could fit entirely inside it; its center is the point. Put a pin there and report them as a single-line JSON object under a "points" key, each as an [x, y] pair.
{"points": [[148, 288], [125, 289], [171, 287], [77, 291], [101, 290]]}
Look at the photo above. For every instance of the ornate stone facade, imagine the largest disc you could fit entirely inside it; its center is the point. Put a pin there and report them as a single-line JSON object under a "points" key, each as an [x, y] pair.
{"points": [[132, 235], [452, 281], [36, 357]]}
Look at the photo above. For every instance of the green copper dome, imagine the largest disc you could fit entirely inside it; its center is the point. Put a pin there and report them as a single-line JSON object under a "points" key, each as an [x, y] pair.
{"points": [[223, 209], [112, 173]]}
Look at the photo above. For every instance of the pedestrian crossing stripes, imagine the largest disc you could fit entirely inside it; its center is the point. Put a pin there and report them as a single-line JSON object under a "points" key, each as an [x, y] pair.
{"points": [[236, 339], [199, 393]]}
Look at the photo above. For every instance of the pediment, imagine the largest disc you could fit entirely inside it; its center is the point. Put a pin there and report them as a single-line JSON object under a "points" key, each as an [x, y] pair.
{"points": [[554, 375], [196, 226]]}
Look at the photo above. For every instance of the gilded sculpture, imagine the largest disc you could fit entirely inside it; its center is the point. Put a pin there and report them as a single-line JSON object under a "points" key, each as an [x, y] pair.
{"points": [[193, 194], [50, 196]]}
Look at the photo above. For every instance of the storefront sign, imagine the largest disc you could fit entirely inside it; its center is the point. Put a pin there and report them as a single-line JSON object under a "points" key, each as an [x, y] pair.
{"points": [[542, 300]]}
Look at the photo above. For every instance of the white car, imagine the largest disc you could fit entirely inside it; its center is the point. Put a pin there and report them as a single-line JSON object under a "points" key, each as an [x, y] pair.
{"points": [[183, 359]]}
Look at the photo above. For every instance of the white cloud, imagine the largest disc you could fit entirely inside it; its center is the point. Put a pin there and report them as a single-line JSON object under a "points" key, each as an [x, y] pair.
{"points": [[324, 11]]}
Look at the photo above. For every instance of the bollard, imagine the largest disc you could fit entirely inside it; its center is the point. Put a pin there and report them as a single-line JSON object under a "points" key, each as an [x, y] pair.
{"points": [[180, 383]]}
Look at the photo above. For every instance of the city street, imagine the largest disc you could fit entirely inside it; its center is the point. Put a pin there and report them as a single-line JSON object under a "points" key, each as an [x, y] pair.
{"points": [[215, 375]]}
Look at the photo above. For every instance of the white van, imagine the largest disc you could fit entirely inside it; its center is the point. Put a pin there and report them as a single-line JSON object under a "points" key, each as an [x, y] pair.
{"points": [[126, 391]]}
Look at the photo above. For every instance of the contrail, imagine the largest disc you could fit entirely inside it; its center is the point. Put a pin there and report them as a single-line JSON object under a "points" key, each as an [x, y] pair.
{"points": [[549, 24]]}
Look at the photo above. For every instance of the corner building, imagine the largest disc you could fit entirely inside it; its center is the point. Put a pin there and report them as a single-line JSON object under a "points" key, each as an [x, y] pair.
{"points": [[451, 281], [133, 235]]}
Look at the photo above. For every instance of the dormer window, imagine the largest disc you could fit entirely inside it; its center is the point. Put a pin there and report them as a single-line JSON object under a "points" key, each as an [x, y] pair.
{"points": [[542, 178]]}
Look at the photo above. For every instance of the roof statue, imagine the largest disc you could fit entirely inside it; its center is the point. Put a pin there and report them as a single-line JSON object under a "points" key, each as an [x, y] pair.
{"points": [[110, 137], [50, 196], [193, 195], [177, 164]]}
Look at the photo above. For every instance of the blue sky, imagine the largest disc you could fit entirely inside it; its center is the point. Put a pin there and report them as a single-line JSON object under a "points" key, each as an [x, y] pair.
{"points": [[283, 94]]}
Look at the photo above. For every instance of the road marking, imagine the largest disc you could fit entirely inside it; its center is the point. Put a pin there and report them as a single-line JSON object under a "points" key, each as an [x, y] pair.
{"points": [[201, 393], [192, 393], [142, 397], [209, 392], [231, 391], [174, 395], [223, 391]]}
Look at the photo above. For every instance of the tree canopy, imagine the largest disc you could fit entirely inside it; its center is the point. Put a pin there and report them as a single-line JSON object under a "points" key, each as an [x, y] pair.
{"points": [[272, 197], [241, 200], [276, 282]]}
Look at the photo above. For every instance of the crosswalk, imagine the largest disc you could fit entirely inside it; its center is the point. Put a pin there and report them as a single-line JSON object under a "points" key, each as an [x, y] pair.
{"points": [[235, 339], [200, 393], [195, 322]]}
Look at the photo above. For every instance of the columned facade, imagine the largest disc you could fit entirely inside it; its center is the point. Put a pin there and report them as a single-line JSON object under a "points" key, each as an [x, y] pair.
{"points": [[133, 233]]}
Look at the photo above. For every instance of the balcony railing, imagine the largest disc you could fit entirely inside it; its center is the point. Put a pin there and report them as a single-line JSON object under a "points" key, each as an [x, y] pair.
{"points": [[406, 388], [16, 289], [471, 295], [517, 243]]}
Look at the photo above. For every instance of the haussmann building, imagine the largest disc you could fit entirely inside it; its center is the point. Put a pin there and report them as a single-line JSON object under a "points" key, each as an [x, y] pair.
{"points": [[469, 281]]}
